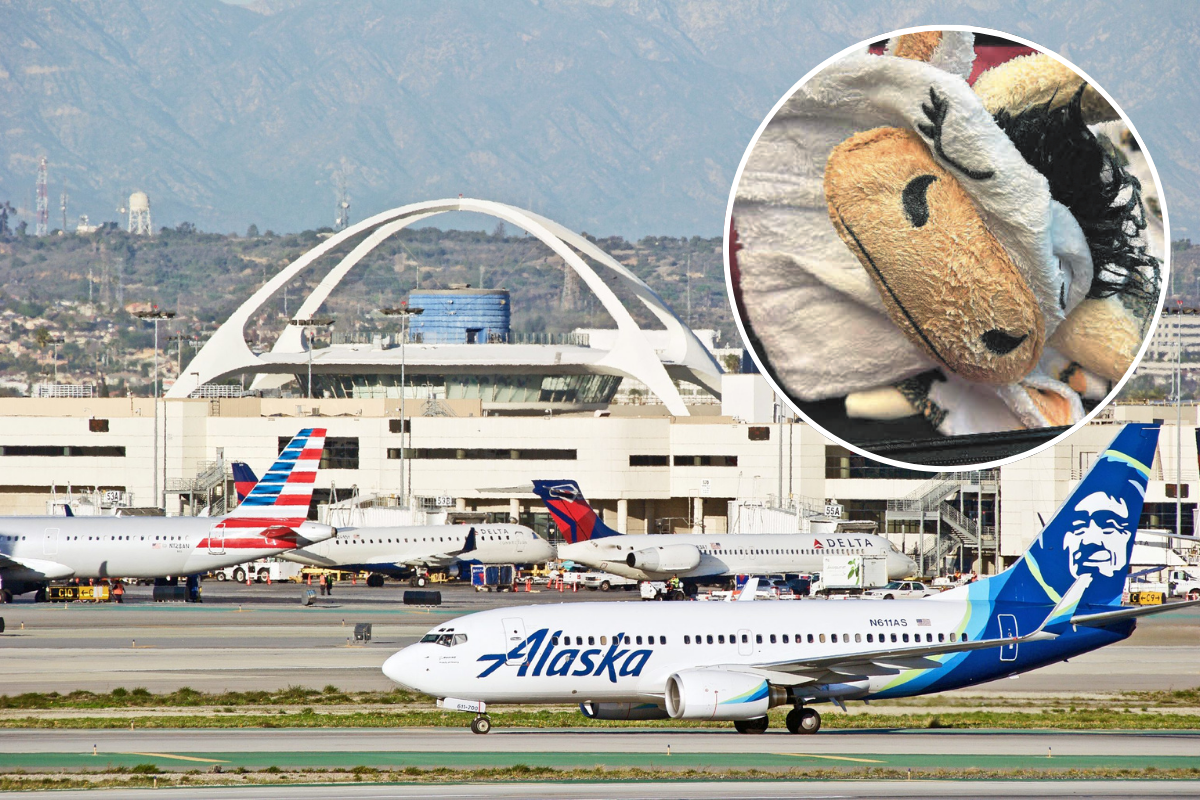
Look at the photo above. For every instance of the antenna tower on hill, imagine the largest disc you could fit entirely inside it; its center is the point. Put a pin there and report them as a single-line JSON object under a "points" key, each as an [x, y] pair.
{"points": [[43, 200]]}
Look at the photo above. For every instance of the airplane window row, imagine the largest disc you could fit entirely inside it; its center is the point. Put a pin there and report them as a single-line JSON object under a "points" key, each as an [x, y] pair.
{"points": [[747, 551], [819, 638], [13, 538], [405, 540]]}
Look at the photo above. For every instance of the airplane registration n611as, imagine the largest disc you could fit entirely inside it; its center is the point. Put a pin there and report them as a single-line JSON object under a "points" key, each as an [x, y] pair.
{"points": [[735, 661]]}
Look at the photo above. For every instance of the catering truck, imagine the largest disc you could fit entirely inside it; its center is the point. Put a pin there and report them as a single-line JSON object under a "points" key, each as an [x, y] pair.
{"points": [[852, 574]]}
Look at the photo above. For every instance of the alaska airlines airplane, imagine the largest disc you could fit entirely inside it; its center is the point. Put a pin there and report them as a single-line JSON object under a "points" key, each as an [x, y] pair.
{"points": [[734, 661], [692, 556], [401, 550], [273, 518]]}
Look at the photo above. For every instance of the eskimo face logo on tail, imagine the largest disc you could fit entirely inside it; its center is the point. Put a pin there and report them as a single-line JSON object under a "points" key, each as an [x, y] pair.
{"points": [[539, 654], [1098, 539]]}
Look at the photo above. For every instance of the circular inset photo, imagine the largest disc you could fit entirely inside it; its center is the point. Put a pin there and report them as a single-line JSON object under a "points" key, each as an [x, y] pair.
{"points": [[946, 248]]}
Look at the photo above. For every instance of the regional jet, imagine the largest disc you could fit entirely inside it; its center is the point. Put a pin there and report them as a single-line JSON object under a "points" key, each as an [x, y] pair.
{"points": [[273, 518], [699, 556], [407, 550], [734, 661]]}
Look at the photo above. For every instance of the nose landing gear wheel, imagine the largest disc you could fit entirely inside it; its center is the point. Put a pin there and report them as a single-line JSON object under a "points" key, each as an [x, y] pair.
{"points": [[751, 725], [803, 720], [481, 724]]}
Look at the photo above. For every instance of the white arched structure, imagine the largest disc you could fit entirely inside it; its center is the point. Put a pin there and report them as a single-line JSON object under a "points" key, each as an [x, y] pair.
{"points": [[632, 354]]}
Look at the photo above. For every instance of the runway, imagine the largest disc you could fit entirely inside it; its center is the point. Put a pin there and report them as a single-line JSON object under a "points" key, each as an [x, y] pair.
{"points": [[693, 790], [669, 750]]}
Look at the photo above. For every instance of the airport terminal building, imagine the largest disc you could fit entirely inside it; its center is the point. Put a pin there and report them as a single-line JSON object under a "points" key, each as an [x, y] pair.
{"points": [[453, 414]]}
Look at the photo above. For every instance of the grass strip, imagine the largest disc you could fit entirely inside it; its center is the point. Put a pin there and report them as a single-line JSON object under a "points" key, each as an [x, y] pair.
{"points": [[310, 718], [147, 776]]}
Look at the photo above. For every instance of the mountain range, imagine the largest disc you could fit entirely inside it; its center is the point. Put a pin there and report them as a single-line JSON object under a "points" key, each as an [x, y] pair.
{"points": [[620, 117]]}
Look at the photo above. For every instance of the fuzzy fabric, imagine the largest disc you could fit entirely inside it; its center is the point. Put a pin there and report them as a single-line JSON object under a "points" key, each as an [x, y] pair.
{"points": [[1038, 80]]}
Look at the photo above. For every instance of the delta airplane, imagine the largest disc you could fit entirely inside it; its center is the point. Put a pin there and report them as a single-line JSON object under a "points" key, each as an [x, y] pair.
{"points": [[403, 551], [698, 556], [734, 661], [273, 518]]}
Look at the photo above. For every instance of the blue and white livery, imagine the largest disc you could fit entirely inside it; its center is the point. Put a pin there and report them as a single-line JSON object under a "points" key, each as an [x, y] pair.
{"points": [[734, 661]]}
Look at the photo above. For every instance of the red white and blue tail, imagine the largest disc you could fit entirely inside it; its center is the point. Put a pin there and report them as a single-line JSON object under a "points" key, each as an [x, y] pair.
{"points": [[282, 496]]}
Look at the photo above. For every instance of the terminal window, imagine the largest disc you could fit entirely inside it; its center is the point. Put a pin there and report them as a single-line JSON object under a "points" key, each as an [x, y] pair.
{"points": [[341, 452], [483, 454], [706, 461], [108, 451], [649, 461]]}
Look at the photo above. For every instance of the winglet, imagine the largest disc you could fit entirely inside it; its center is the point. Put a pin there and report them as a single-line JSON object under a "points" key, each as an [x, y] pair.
{"points": [[749, 590], [469, 543], [1059, 618]]}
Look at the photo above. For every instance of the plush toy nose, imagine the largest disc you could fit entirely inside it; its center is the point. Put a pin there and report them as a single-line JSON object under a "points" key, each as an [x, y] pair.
{"points": [[1001, 342]]}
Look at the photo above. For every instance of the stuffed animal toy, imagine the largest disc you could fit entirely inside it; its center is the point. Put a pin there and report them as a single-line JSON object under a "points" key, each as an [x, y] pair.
{"points": [[976, 257]]}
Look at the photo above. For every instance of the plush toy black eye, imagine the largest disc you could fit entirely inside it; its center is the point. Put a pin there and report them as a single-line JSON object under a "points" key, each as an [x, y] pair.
{"points": [[913, 198]]}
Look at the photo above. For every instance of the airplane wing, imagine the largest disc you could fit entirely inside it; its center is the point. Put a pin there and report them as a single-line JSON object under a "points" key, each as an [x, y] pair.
{"points": [[49, 570], [1104, 618], [892, 660]]}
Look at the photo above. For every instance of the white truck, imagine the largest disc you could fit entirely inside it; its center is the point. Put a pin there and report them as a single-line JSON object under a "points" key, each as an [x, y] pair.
{"points": [[1185, 583], [851, 574], [261, 571]]}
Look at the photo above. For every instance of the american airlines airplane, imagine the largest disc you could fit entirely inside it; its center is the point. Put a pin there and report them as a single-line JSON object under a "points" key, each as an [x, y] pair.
{"points": [[697, 556], [400, 550], [273, 518], [734, 661]]}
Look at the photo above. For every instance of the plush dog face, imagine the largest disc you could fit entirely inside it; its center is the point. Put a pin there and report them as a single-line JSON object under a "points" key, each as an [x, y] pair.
{"points": [[945, 280]]}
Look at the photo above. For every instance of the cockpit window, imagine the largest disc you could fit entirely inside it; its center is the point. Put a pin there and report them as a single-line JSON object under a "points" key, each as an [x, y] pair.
{"points": [[444, 638]]}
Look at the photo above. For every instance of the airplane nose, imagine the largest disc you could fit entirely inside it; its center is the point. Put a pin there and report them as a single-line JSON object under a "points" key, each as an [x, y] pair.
{"points": [[399, 668]]}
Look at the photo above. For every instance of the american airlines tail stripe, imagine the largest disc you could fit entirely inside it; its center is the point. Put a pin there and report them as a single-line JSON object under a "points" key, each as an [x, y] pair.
{"points": [[263, 521], [313, 454], [301, 500], [302, 477]]}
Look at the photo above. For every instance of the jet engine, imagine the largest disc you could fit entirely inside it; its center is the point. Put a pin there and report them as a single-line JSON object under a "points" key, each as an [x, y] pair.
{"points": [[311, 532], [622, 710], [720, 694], [671, 558]]}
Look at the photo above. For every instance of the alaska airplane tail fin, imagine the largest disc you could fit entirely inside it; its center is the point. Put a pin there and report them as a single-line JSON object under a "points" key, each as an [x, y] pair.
{"points": [[243, 479], [1092, 533], [285, 491], [576, 520]]}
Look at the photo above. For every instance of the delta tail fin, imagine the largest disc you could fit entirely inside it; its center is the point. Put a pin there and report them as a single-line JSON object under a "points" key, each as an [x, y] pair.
{"points": [[1091, 535], [285, 491], [244, 479], [576, 520]]}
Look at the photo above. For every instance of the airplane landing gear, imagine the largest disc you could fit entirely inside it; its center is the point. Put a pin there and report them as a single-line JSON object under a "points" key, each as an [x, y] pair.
{"points": [[481, 724], [751, 725], [803, 720]]}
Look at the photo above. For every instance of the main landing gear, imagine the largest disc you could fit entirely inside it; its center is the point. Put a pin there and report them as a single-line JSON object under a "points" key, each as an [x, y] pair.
{"points": [[803, 720], [481, 724], [751, 725]]}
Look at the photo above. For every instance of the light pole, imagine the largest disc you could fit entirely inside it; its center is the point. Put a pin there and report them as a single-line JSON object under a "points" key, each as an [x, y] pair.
{"points": [[403, 312], [312, 322], [56, 341], [156, 314]]}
